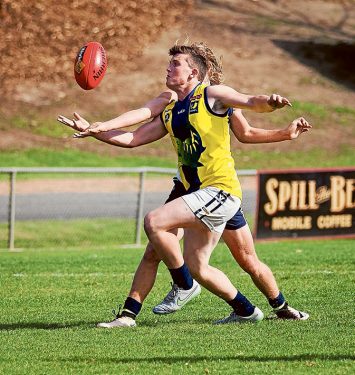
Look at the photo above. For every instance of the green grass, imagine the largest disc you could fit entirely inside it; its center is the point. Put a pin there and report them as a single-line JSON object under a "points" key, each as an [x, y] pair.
{"points": [[316, 114], [92, 233], [51, 301], [76, 233], [276, 159], [252, 158], [76, 158], [38, 125]]}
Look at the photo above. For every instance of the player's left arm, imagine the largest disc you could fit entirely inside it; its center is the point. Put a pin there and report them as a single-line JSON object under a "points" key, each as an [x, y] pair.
{"points": [[232, 98], [146, 133], [246, 133], [148, 111]]}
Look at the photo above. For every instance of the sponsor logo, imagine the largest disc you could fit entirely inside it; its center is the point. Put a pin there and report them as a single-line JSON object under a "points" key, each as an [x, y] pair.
{"points": [[193, 107], [323, 194], [196, 97], [181, 111], [299, 195], [79, 65], [102, 64], [306, 203], [182, 301]]}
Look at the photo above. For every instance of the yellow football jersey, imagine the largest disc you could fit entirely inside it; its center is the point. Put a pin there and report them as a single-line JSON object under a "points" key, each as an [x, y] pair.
{"points": [[202, 141]]}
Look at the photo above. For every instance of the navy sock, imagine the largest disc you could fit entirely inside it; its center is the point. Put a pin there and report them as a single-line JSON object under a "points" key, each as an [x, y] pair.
{"points": [[133, 306], [277, 302], [241, 305], [182, 277]]}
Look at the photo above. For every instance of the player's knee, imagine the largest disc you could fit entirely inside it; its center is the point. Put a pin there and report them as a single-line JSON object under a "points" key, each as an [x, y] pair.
{"points": [[154, 222], [151, 223]]}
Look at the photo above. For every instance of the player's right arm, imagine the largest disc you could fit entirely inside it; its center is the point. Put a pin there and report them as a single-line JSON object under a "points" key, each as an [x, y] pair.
{"points": [[246, 133], [229, 97], [149, 110]]}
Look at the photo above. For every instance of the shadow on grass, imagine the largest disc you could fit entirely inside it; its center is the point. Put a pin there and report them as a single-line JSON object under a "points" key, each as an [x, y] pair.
{"points": [[46, 326], [332, 60], [159, 322], [208, 358], [168, 320]]}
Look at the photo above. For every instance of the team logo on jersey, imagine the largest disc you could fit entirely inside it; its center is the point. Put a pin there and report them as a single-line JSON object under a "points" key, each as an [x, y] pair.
{"points": [[190, 149], [193, 106]]}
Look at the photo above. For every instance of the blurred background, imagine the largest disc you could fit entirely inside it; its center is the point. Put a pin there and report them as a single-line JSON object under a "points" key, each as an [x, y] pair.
{"points": [[304, 50]]}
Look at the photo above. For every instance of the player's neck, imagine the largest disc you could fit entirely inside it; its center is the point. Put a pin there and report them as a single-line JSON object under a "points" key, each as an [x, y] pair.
{"points": [[183, 91]]}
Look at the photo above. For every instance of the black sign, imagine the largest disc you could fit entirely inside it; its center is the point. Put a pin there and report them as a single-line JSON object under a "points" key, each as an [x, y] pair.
{"points": [[306, 203]]}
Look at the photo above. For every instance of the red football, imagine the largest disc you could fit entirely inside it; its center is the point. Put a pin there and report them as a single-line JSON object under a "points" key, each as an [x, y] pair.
{"points": [[90, 65]]}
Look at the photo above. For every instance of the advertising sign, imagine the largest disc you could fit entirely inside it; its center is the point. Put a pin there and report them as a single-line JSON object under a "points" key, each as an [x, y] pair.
{"points": [[306, 203]]}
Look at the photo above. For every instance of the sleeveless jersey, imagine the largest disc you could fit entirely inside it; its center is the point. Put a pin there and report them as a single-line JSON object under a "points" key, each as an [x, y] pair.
{"points": [[202, 141]]}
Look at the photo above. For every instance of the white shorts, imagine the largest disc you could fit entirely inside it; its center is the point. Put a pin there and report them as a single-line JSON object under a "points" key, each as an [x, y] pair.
{"points": [[214, 207]]}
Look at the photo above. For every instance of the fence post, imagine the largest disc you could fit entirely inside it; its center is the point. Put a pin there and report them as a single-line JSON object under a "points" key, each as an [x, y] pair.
{"points": [[139, 216], [11, 221]]}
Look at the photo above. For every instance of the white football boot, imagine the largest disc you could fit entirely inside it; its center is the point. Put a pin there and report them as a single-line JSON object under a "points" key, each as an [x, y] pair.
{"points": [[255, 317], [124, 319], [177, 298]]}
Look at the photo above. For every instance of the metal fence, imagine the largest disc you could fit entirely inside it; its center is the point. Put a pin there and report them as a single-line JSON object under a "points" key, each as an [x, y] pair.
{"points": [[61, 207]]}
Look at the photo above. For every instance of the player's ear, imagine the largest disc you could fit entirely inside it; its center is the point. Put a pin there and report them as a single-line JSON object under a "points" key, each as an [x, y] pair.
{"points": [[194, 73]]}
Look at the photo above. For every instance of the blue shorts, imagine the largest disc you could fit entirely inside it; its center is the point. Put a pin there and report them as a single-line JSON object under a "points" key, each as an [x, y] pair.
{"points": [[236, 222]]}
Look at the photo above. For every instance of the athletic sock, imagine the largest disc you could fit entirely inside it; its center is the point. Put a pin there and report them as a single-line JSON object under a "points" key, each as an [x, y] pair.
{"points": [[277, 302], [182, 277], [241, 305], [131, 308]]}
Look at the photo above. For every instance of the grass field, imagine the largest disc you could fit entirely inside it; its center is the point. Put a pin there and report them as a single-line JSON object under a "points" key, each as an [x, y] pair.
{"points": [[249, 159], [51, 301], [89, 233], [77, 233]]}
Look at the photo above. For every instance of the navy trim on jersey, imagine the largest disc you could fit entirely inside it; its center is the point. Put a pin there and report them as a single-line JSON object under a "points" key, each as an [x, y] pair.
{"points": [[226, 113]]}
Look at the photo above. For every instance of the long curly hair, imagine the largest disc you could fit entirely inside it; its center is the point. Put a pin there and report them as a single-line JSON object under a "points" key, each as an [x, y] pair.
{"points": [[214, 64]]}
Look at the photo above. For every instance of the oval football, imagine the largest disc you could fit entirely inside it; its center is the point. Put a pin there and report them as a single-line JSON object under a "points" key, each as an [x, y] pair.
{"points": [[90, 65]]}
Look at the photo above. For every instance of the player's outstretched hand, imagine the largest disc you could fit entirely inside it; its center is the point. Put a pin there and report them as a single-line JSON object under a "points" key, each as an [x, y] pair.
{"points": [[78, 123], [277, 101], [94, 128], [297, 127]]}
